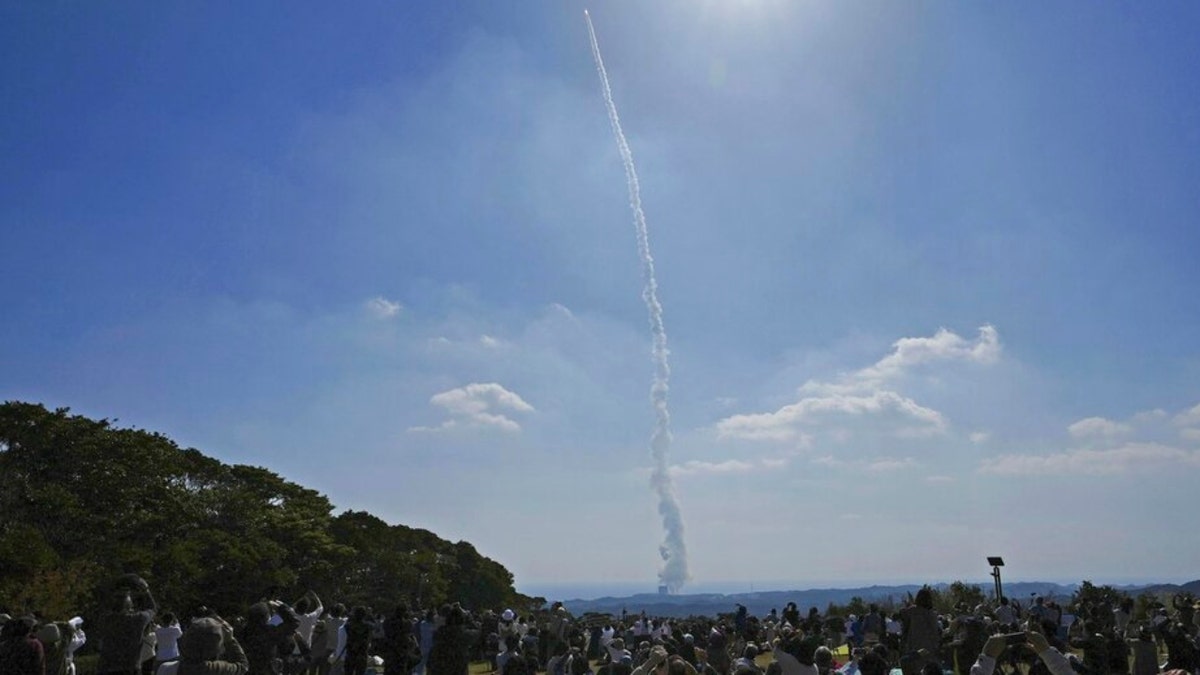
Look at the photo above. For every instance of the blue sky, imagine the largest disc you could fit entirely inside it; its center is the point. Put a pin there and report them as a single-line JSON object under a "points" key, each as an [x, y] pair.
{"points": [[928, 270]]}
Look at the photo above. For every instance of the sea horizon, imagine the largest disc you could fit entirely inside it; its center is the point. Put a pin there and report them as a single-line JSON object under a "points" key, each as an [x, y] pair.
{"points": [[591, 590]]}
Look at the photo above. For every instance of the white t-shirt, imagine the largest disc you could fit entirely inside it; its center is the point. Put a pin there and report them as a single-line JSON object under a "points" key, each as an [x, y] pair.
{"points": [[167, 642], [308, 622], [1006, 614]]}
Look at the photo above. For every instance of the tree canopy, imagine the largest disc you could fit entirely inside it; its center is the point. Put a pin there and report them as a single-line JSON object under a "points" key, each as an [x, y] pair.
{"points": [[82, 501]]}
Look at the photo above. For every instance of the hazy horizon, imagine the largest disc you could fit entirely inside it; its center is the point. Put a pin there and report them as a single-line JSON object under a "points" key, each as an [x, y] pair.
{"points": [[926, 271], [592, 590]]}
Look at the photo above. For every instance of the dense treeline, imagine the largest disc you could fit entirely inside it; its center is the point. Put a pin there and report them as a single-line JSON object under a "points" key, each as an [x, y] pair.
{"points": [[82, 501]]}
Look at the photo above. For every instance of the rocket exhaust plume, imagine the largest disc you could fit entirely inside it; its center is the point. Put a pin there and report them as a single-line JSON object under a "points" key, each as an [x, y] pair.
{"points": [[674, 572]]}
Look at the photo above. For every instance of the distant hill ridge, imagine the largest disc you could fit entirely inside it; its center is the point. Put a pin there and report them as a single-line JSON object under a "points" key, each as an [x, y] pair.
{"points": [[762, 602]]}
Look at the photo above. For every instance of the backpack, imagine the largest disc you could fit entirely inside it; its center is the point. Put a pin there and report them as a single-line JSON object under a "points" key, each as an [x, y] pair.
{"points": [[320, 634]]}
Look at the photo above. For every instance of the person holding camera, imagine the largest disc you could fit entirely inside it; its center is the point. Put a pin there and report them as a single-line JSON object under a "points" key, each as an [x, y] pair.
{"points": [[996, 645], [208, 647], [658, 662], [125, 622]]}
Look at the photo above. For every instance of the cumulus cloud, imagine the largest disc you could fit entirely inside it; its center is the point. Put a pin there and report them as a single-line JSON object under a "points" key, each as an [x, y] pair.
{"points": [[1107, 447], [480, 405], [1123, 459], [1188, 418], [382, 308], [787, 423], [979, 437], [1150, 416], [943, 346], [1097, 426], [870, 393]]}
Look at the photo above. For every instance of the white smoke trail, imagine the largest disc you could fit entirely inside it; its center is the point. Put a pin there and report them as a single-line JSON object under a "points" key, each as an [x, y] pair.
{"points": [[673, 550]]}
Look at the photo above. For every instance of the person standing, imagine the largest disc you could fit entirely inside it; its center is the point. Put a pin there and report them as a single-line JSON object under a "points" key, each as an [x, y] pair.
{"points": [[358, 641], [21, 653], [922, 633], [121, 629], [166, 639], [448, 653]]}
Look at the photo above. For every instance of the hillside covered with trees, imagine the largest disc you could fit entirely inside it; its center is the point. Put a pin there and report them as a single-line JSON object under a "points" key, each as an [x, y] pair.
{"points": [[82, 501]]}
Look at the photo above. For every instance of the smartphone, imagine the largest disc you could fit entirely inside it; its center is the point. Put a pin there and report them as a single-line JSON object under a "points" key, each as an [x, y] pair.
{"points": [[1014, 638]]}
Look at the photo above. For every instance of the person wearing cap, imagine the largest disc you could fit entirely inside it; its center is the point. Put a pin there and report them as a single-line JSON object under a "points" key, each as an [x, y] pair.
{"points": [[617, 651], [506, 624], [688, 649], [73, 638], [208, 647]]}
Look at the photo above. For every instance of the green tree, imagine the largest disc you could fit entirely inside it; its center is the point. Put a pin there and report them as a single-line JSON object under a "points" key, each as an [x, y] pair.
{"points": [[1091, 595], [961, 593], [82, 501]]}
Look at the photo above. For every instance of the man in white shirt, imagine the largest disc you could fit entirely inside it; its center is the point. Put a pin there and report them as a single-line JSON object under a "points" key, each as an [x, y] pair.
{"points": [[308, 611]]}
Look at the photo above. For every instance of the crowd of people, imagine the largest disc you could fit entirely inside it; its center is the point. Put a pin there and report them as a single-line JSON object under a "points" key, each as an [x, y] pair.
{"points": [[131, 636]]}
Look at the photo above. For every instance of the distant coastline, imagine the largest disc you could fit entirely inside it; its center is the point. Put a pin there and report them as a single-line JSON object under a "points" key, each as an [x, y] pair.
{"points": [[616, 598]]}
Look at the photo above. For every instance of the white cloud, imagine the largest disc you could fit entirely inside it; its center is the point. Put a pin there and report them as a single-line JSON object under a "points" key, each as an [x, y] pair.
{"points": [[1124, 459], [382, 308], [1189, 434], [478, 405], [1097, 427], [1188, 418], [696, 467], [940, 480], [1150, 416], [490, 342], [875, 465], [979, 437], [785, 423], [870, 393], [943, 346]]}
